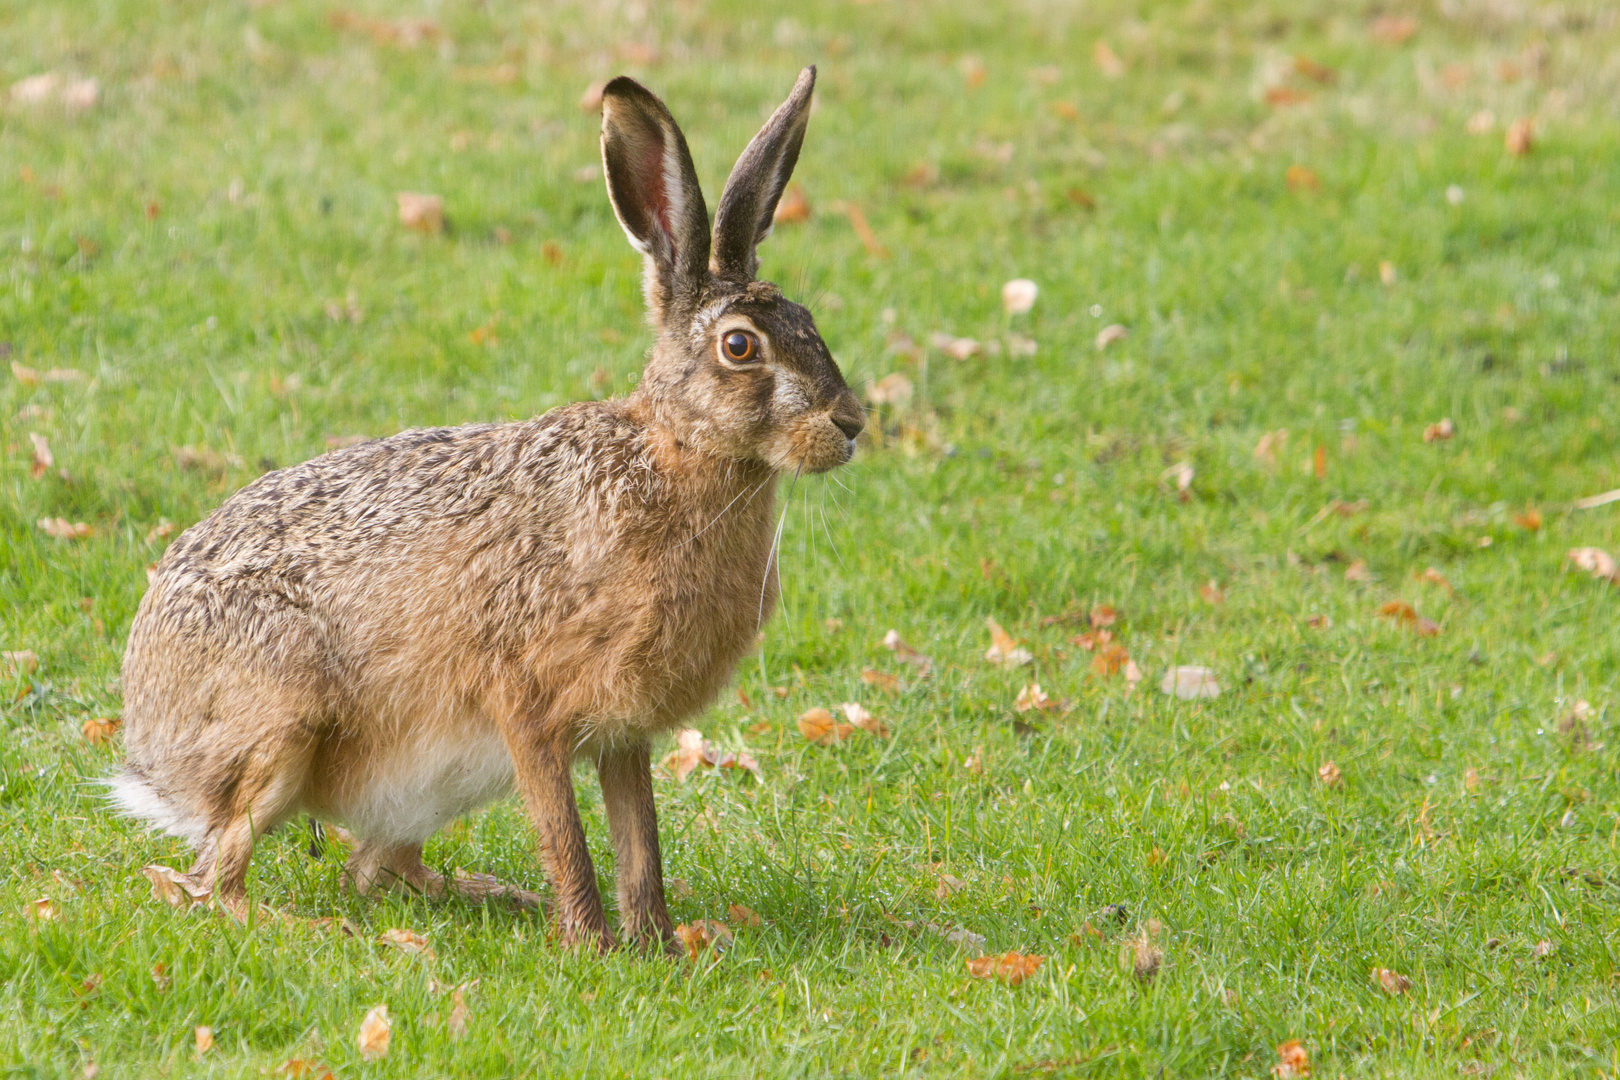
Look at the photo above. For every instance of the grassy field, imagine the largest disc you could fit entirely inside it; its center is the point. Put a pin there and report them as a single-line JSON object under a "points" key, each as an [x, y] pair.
{"points": [[1307, 216]]}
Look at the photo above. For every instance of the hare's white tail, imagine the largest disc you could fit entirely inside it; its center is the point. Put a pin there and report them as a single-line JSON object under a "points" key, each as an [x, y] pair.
{"points": [[135, 796]]}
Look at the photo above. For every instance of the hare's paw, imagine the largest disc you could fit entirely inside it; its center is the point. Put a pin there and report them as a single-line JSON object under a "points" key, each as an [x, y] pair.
{"points": [[476, 886]]}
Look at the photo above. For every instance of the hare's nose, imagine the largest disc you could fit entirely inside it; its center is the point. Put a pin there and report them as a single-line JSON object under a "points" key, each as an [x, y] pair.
{"points": [[850, 425]]}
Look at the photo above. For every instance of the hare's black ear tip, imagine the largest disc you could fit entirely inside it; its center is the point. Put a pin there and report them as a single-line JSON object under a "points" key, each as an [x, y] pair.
{"points": [[624, 86]]}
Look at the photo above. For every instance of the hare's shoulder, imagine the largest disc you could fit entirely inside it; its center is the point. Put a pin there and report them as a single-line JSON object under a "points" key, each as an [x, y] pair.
{"points": [[401, 486]]}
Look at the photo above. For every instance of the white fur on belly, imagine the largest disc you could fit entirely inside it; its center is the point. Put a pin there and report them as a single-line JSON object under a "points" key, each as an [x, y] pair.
{"points": [[415, 791]]}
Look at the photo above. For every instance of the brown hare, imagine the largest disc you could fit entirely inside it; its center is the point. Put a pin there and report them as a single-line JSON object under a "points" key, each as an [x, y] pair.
{"points": [[392, 634]]}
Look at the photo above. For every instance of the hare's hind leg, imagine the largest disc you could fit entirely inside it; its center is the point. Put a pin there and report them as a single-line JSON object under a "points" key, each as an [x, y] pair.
{"points": [[381, 866], [625, 772]]}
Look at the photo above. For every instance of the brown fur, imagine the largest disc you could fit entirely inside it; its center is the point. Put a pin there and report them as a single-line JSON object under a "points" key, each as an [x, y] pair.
{"points": [[393, 634]]}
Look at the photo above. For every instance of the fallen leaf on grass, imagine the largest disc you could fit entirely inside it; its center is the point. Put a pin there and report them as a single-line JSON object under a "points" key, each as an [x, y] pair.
{"points": [[63, 529], [1092, 639], [1018, 296], [1265, 450], [1033, 697], [1140, 957], [1391, 982], [1592, 502], [375, 1033], [406, 33], [1440, 430], [1314, 71], [794, 209], [1103, 615], [42, 910], [1435, 577], [1357, 571], [1188, 682], [856, 714], [1182, 473], [693, 750], [21, 662], [893, 389], [73, 94], [1529, 520], [1387, 274], [1011, 968], [1480, 123], [1112, 659], [173, 887], [100, 729], [420, 212], [974, 762], [1108, 61], [302, 1069], [1212, 592], [1543, 949], [1328, 772], [43, 459], [1004, 649], [1403, 613], [704, 934], [906, 654], [1319, 622], [1520, 138], [1293, 1062], [1299, 178], [880, 679], [863, 229], [204, 1038], [958, 348], [459, 1015], [819, 726], [407, 941], [1110, 334], [1595, 561], [1393, 29], [743, 916]]}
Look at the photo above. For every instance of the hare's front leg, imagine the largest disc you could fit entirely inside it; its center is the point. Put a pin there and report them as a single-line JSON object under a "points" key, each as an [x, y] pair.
{"points": [[544, 774], [627, 795]]}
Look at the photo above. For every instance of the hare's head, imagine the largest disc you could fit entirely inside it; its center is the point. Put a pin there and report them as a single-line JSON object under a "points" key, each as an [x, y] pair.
{"points": [[738, 368]]}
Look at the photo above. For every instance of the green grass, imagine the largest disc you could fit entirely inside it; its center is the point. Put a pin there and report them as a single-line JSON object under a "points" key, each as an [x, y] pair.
{"points": [[1474, 820]]}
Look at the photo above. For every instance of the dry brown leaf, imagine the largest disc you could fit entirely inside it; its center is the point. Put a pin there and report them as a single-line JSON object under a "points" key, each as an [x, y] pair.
{"points": [[303, 1069], [1033, 697], [857, 715], [1434, 577], [42, 910], [173, 887], [1391, 982], [1265, 450], [818, 726], [1403, 613], [375, 1033], [1103, 615], [1357, 571], [1188, 682], [1011, 968], [1530, 520], [1018, 296], [794, 208], [1212, 592], [204, 1038], [880, 679], [406, 33], [1592, 502], [407, 941], [1387, 273], [906, 654], [743, 916], [20, 662], [1092, 639], [1595, 561], [459, 1015], [1319, 622], [100, 729], [1481, 123], [1521, 136], [893, 389], [863, 229], [24, 374], [420, 212], [1313, 71], [1108, 61], [1110, 659], [702, 935], [1139, 956], [1543, 949], [974, 762], [1109, 334], [1393, 29], [1285, 96], [973, 72], [43, 460], [63, 529], [1440, 430], [1068, 110], [957, 348], [1299, 178], [1004, 649], [1328, 772], [1293, 1062], [688, 753]]}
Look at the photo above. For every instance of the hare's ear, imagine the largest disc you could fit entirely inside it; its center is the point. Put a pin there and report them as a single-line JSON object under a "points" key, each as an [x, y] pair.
{"points": [[748, 204], [655, 195]]}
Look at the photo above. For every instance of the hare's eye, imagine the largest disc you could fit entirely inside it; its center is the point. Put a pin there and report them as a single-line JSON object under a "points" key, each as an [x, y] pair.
{"points": [[739, 347]]}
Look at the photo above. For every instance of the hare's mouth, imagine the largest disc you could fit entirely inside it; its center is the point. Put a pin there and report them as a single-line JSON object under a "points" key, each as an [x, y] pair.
{"points": [[816, 445]]}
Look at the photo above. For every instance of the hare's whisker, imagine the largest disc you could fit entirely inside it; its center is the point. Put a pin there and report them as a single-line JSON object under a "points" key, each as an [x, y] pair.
{"points": [[722, 512], [771, 560]]}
